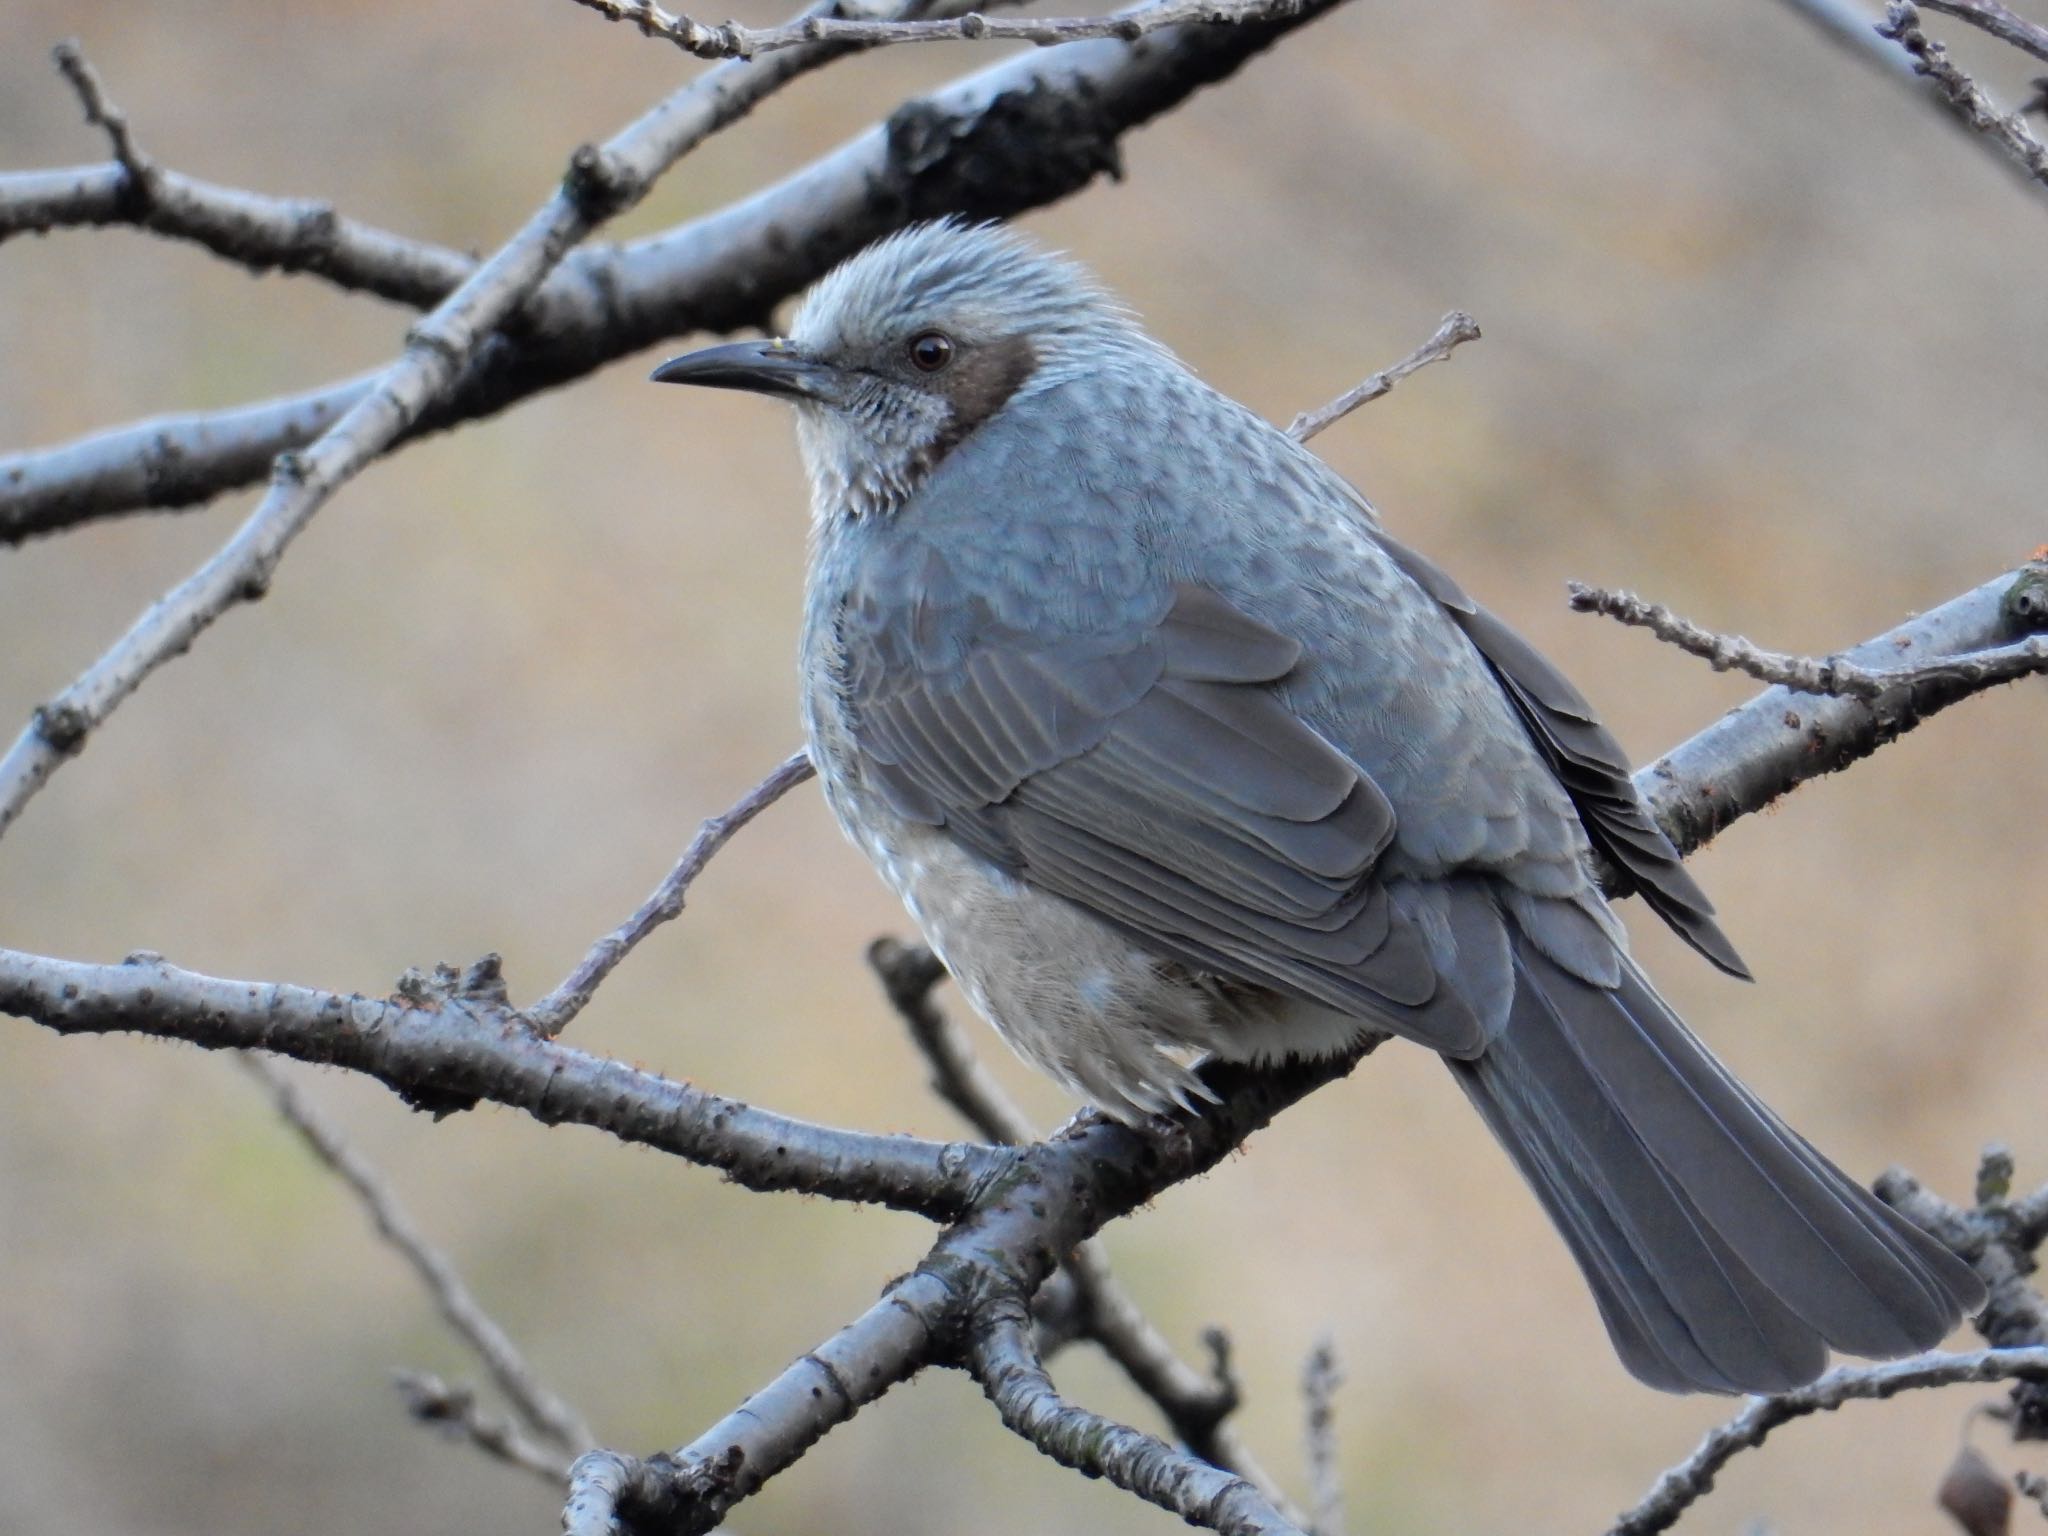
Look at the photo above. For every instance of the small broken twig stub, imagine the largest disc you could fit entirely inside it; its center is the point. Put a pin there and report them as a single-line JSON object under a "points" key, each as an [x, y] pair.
{"points": [[1963, 96], [101, 113], [430, 1400]]}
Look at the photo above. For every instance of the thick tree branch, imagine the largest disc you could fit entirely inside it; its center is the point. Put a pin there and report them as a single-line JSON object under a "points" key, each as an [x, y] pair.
{"points": [[552, 1013], [1678, 1489], [544, 1410], [1053, 1196], [461, 1047], [1024, 133], [264, 234]]}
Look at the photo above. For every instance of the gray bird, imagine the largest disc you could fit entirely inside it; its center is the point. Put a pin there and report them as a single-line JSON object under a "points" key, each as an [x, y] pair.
{"points": [[1175, 754]]}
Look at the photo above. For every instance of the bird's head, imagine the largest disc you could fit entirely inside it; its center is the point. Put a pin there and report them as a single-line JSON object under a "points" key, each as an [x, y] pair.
{"points": [[903, 350]]}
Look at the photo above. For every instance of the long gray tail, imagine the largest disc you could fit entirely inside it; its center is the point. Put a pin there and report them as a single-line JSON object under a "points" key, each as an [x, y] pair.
{"points": [[1725, 1253]]}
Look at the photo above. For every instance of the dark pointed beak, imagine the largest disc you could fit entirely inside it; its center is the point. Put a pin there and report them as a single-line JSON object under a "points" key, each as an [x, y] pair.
{"points": [[765, 367]]}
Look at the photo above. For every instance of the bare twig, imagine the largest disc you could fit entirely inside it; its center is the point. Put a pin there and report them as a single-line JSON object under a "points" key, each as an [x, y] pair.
{"points": [[1834, 675], [457, 1046], [433, 1401], [552, 1013], [1321, 1376], [1781, 739], [543, 1409], [1004, 1360], [1197, 1405], [1685, 1483], [2008, 130], [1456, 328], [261, 233], [978, 147], [2000, 21], [601, 182], [730, 40], [103, 114]]}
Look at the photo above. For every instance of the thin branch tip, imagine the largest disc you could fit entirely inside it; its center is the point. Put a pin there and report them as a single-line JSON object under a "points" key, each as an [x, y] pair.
{"points": [[1830, 675], [1960, 93], [1685, 1484], [551, 1014], [1452, 332]]}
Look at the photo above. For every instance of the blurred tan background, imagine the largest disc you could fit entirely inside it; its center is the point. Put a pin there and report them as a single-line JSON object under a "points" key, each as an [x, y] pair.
{"points": [[1763, 339]]}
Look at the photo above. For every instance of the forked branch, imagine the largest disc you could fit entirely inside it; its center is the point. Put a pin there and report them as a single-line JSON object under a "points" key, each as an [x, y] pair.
{"points": [[544, 1410]]}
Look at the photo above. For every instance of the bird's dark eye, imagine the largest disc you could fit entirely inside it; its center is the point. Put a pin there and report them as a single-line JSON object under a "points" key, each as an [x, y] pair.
{"points": [[930, 351]]}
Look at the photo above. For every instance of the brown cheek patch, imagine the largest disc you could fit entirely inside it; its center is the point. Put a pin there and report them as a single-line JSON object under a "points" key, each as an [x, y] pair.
{"points": [[980, 384]]}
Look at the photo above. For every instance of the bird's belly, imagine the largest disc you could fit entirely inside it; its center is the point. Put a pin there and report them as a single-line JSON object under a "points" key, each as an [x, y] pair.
{"points": [[1071, 995], [1106, 1017]]}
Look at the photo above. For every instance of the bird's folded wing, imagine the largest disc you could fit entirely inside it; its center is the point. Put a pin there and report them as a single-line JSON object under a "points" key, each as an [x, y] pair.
{"points": [[1585, 758], [1156, 778]]}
